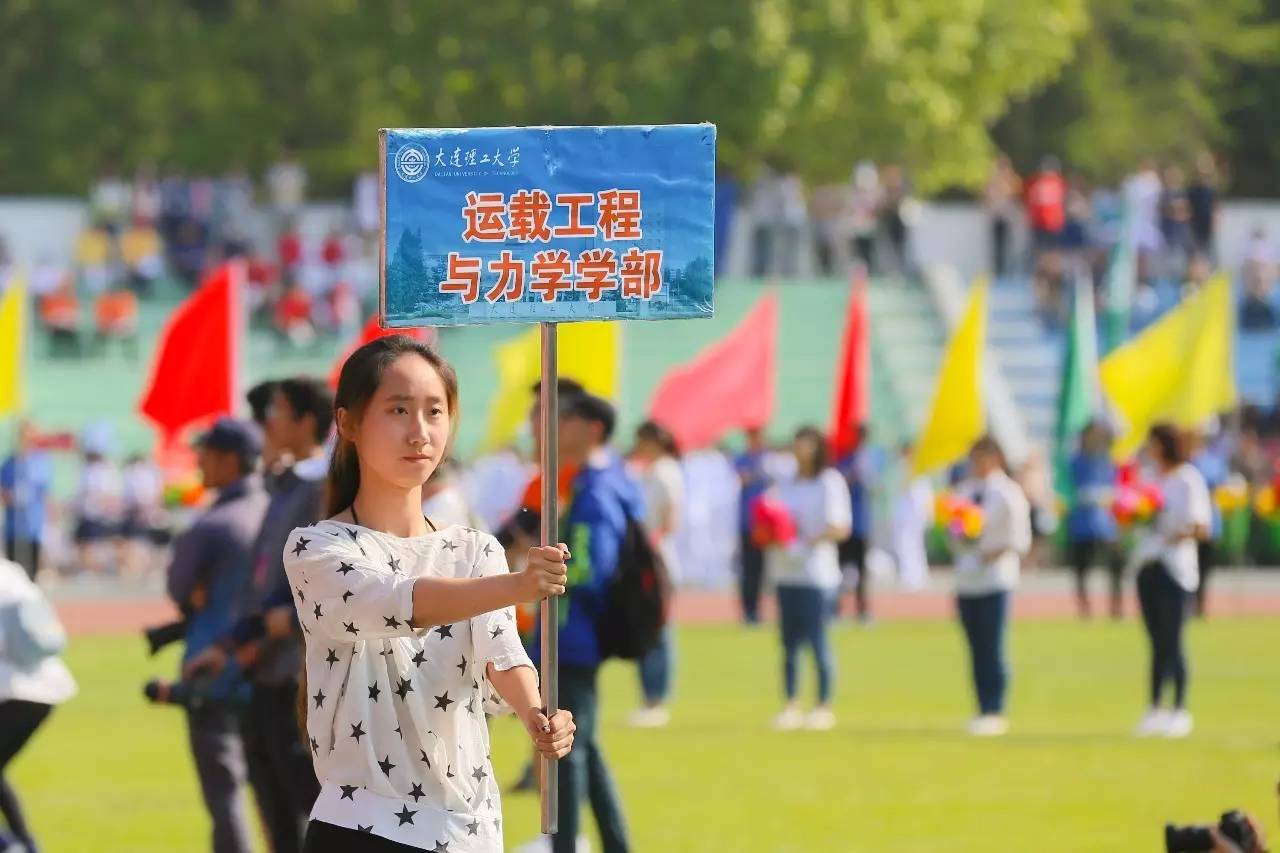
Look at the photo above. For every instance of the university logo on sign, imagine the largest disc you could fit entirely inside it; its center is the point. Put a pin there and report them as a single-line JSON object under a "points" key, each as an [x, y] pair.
{"points": [[412, 163]]}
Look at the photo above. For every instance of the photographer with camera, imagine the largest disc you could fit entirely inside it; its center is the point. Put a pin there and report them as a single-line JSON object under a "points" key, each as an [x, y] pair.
{"points": [[1235, 832], [265, 640], [207, 578]]}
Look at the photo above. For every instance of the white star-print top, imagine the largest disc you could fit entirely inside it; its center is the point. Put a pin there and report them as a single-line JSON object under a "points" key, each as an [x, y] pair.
{"points": [[396, 716]]}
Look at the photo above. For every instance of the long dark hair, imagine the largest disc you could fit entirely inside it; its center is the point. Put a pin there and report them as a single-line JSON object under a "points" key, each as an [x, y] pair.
{"points": [[659, 435], [820, 461], [1171, 444], [361, 375]]}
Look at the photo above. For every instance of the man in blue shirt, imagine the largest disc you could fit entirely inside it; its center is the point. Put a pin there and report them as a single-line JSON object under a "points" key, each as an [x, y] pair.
{"points": [[25, 478], [594, 524]]}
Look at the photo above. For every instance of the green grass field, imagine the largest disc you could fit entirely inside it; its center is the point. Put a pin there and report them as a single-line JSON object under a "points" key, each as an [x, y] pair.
{"points": [[110, 773]]}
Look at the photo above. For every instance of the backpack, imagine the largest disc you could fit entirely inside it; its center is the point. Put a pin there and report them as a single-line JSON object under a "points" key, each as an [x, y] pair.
{"points": [[638, 600]]}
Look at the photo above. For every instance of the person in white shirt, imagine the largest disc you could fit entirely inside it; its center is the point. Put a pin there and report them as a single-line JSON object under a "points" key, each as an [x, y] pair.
{"points": [[986, 572], [443, 501], [98, 505], [33, 679], [1169, 576], [656, 457], [806, 571], [409, 627]]}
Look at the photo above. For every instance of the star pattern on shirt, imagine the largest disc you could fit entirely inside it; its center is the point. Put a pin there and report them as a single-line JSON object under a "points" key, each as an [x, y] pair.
{"points": [[319, 699], [332, 658], [348, 792], [479, 775], [345, 568], [394, 565], [488, 549], [392, 622], [441, 847], [374, 691], [350, 628], [443, 702], [471, 705], [462, 665], [346, 595], [424, 759], [473, 827], [386, 766], [302, 596], [450, 546], [301, 545], [404, 689], [357, 731], [360, 828], [317, 611], [420, 658], [355, 537], [416, 792], [406, 815], [315, 747], [445, 631], [496, 632]]}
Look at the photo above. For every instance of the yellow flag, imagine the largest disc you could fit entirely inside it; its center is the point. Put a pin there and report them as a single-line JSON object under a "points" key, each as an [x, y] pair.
{"points": [[588, 353], [13, 308], [958, 417], [1180, 369]]}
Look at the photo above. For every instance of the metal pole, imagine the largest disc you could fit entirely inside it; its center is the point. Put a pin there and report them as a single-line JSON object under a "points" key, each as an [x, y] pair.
{"points": [[550, 614]]}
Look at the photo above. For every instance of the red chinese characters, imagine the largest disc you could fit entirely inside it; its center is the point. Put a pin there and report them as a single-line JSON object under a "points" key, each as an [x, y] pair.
{"points": [[463, 278], [641, 273], [619, 215], [510, 284], [574, 227], [551, 273], [597, 271], [528, 213], [485, 215]]}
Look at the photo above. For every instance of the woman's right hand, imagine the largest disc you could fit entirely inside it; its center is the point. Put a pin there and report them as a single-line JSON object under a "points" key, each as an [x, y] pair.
{"points": [[545, 573]]}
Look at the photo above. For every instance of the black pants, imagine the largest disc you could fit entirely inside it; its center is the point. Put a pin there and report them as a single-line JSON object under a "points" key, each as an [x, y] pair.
{"points": [[1000, 246], [1208, 554], [326, 838], [1164, 613], [1084, 555], [280, 770], [751, 580], [18, 722], [864, 249], [853, 554], [583, 773], [24, 552], [218, 750]]}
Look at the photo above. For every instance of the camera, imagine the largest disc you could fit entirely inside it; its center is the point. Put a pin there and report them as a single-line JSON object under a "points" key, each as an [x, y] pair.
{"points": [[159, 636], [197, 693], [1188, 839]]}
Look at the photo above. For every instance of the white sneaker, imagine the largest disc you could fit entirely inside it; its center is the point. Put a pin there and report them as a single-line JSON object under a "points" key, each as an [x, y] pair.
{"points": [[789, 720], [1180, 724], [989, 725], [542, 844], [1154, 723], [650, 718], [820, 720]]}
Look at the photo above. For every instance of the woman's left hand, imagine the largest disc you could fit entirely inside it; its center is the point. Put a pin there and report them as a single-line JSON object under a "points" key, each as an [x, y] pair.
{"points": [[553, 737]]}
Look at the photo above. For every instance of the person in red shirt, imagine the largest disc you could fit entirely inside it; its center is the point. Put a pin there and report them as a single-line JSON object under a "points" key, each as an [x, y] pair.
{"points": [[1046, 204]]}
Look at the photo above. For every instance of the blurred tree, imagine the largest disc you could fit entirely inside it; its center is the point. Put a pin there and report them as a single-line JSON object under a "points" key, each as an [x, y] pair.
{"points": [[1150, 77]]}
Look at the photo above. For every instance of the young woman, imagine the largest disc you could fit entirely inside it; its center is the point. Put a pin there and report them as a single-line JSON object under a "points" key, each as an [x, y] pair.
{"points": [[1091, 528], [409, 626], [657, 459], [806, 571], [1169, 576], [986, 572]]}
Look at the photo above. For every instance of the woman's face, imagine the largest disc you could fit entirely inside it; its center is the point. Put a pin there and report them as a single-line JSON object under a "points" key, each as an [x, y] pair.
{"points": [[806, 452], [404, 431], [983, 462]]}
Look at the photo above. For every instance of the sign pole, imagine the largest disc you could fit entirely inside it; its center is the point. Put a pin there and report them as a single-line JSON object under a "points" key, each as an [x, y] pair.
{"points": [[550, 611]]}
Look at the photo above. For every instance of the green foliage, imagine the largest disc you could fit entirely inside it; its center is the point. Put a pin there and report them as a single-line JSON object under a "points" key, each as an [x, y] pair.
{"points": [[819, 83]]}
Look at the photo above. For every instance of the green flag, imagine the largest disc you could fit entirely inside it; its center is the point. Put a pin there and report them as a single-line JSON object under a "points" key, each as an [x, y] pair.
{"points": [[1122, 273], [1079, 397]]}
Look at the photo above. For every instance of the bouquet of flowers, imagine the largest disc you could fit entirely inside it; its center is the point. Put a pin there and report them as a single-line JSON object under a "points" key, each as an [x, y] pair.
{"points": [[959, 516], [1233, 495], [1136, 501]]}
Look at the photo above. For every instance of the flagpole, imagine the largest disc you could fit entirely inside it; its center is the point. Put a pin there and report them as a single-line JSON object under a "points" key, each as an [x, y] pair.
{"points": [[550, 611]]}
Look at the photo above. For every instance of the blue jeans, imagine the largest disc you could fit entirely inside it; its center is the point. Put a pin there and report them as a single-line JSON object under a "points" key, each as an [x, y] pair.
{"points": [[657, 666], [985, 619], [805, 613], [583, 773]]}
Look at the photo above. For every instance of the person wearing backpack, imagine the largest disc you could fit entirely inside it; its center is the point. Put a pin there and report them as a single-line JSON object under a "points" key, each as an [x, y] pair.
{"points": [[599, 523], [33, 679]]}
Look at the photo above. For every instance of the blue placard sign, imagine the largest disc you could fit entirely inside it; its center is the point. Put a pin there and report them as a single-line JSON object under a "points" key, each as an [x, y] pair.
{"points": [[531, 224]]}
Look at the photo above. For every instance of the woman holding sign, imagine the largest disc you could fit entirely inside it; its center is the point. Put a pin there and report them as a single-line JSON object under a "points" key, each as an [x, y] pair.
{"points": [[410, 629]]}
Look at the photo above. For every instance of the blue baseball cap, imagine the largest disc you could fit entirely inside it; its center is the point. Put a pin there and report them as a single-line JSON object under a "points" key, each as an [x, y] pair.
{"points": [[235, 436]]}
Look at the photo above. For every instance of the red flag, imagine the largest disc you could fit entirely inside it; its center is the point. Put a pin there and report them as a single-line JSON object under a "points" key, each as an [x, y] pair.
{"points": [[852, 404], [195, 376], [729, 385], [371, 332]]}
